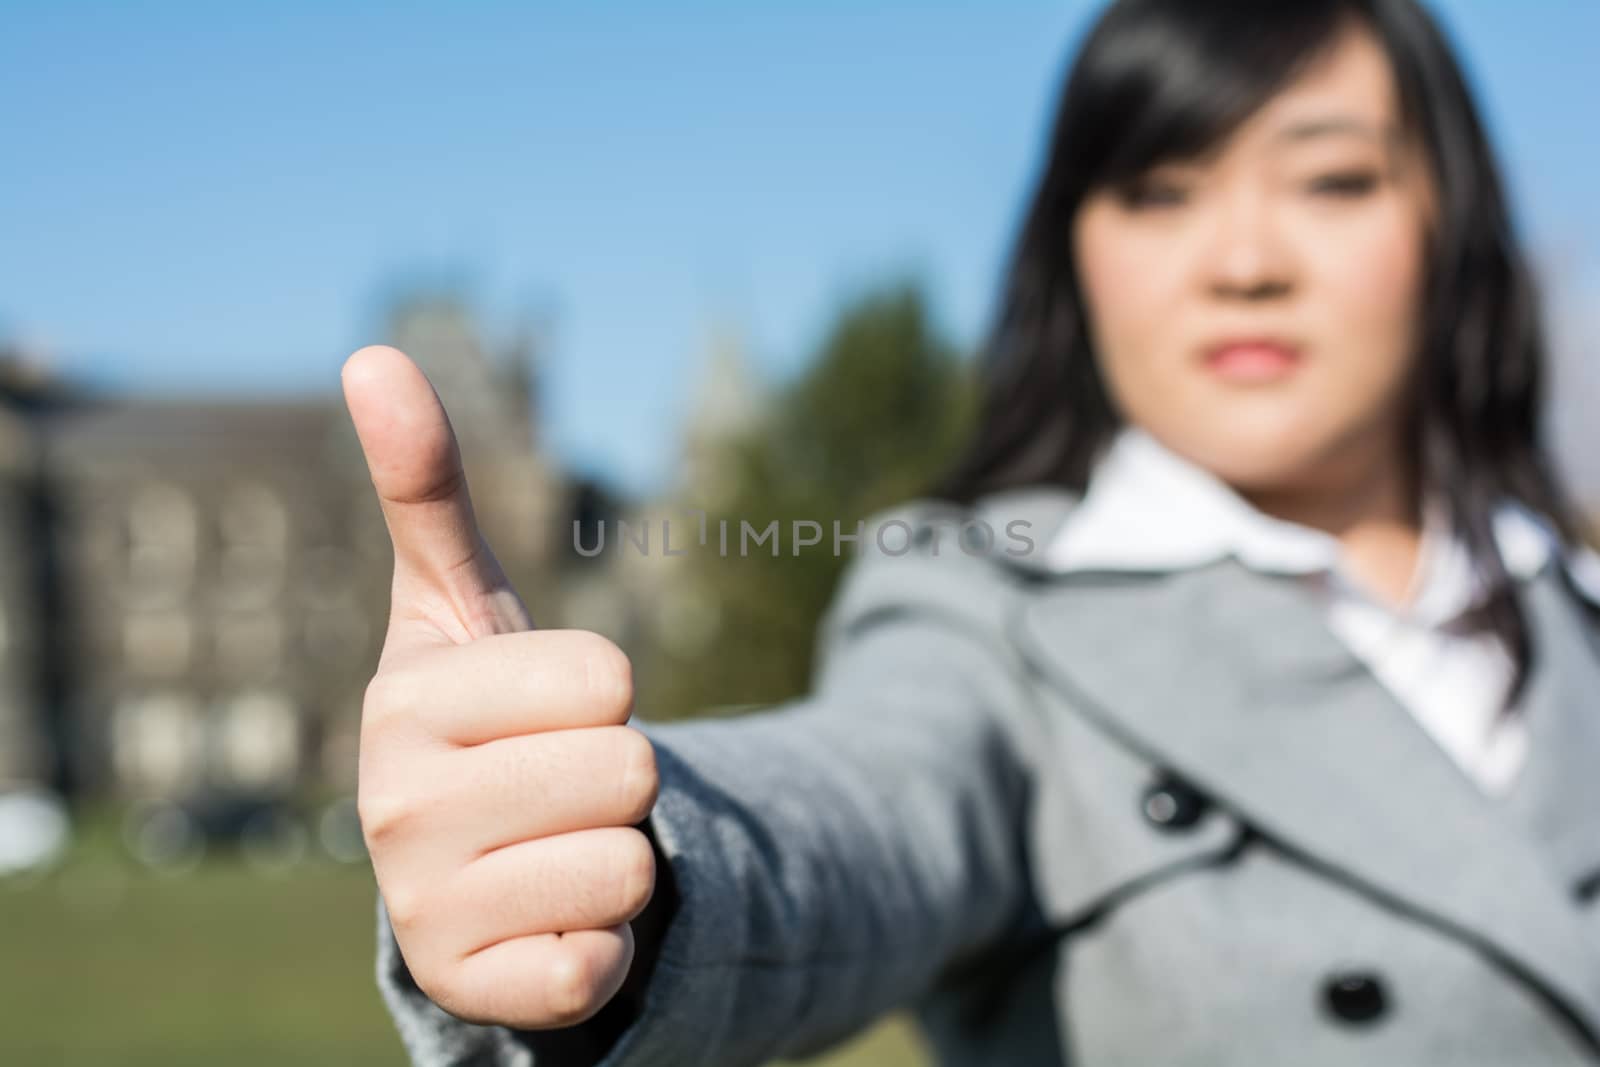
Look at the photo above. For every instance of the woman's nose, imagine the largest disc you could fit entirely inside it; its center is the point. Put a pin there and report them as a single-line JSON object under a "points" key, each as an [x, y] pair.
{"points": [[1245, 256]]}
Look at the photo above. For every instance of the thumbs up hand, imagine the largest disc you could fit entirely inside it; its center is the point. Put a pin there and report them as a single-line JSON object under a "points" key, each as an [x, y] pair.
{"points": [[499, 782]]}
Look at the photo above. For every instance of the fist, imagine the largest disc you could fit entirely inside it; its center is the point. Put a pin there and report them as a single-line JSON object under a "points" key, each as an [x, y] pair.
{"points": [[500, 785]]}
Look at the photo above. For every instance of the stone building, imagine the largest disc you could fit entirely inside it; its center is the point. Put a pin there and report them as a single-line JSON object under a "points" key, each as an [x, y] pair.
{"points": [[224, 570], [221, 581], [24, 667]]}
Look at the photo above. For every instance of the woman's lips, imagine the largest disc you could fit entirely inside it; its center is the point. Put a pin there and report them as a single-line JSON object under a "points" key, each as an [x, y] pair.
{"points": [[1252, 360]]}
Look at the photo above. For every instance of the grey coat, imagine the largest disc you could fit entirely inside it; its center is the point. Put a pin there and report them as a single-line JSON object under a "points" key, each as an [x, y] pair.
{"points": [[1106, 819]]}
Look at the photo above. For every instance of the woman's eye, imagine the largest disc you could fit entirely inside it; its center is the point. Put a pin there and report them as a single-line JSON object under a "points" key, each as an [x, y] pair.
{"points": [[1150, 193], [1345, 185]]}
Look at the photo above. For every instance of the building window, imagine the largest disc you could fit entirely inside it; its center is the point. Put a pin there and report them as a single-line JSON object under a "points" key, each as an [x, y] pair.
{"points": [[251, 576], [157, 644], [252, 514], [162, 542], [158, 744], [255, 544], [249, 645], [258, 741]]}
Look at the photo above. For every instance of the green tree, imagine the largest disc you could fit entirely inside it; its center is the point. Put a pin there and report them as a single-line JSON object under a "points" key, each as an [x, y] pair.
{"points": [[874, 419]]}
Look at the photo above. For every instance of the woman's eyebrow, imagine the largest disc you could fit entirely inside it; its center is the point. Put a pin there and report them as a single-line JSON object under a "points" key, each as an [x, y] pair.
{"points": [[1307, 129]]}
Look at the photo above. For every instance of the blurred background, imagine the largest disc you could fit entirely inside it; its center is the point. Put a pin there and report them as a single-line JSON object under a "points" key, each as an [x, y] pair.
{"points": [[657, 259]]}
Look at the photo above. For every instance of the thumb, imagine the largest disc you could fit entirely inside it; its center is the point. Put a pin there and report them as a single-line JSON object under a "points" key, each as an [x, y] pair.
{"points": [[444, 572]]}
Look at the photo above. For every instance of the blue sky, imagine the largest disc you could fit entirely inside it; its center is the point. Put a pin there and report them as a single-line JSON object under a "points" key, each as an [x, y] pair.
{"points": [[208, 198]]}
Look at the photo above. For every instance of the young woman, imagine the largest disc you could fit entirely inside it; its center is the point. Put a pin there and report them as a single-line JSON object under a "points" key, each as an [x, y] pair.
{"points": [[1264, 733]]}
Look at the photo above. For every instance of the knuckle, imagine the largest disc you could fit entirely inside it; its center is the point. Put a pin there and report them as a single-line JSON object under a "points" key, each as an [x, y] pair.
{"points": [[442, 986], [386, 817], [609, 675], [573, 989], [405, 907], [635, 863], [390, 695], [641, 775]]}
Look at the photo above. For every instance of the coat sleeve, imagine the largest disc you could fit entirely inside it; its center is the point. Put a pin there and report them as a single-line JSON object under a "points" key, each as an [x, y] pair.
{"points": [[831, 857]]}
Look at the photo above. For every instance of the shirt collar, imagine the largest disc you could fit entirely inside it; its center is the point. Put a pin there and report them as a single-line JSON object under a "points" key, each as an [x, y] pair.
{"points": [[1149, 509]]}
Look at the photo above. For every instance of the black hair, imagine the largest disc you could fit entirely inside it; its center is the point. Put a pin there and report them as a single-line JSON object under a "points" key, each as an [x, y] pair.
{"points": [[1160, 80]]}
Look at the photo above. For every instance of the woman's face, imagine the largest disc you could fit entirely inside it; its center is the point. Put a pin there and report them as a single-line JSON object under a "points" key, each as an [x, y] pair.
{"points": [[1256, 311]]}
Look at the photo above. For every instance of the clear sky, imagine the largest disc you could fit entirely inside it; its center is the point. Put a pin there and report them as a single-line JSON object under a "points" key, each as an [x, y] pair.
{"points": [[214, 197]]}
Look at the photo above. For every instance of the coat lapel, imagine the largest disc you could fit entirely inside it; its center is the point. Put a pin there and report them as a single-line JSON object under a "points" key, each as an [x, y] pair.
{"points": [[1558, 792], [1234, 681]]}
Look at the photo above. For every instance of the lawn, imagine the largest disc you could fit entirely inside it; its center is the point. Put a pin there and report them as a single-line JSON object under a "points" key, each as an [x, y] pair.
{"points": [[104, 963]]}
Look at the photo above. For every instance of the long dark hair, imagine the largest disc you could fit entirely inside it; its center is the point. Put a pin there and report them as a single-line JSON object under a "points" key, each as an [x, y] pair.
{"points": [[1158, 80]]}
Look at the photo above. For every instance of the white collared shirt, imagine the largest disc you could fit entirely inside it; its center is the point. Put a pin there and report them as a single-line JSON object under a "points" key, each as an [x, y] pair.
{"points": [[1147, 508]]}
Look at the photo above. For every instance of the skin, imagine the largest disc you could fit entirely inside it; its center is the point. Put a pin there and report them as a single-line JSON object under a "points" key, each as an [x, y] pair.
{"points": [[1307, 224], [499, 783]]}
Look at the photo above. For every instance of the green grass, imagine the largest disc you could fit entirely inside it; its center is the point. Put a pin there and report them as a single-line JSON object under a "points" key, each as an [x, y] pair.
{"points": [[104, 963]]}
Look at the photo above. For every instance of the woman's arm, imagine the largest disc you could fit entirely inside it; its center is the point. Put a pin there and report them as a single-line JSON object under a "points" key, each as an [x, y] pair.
{"points": [[829, 858]]}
